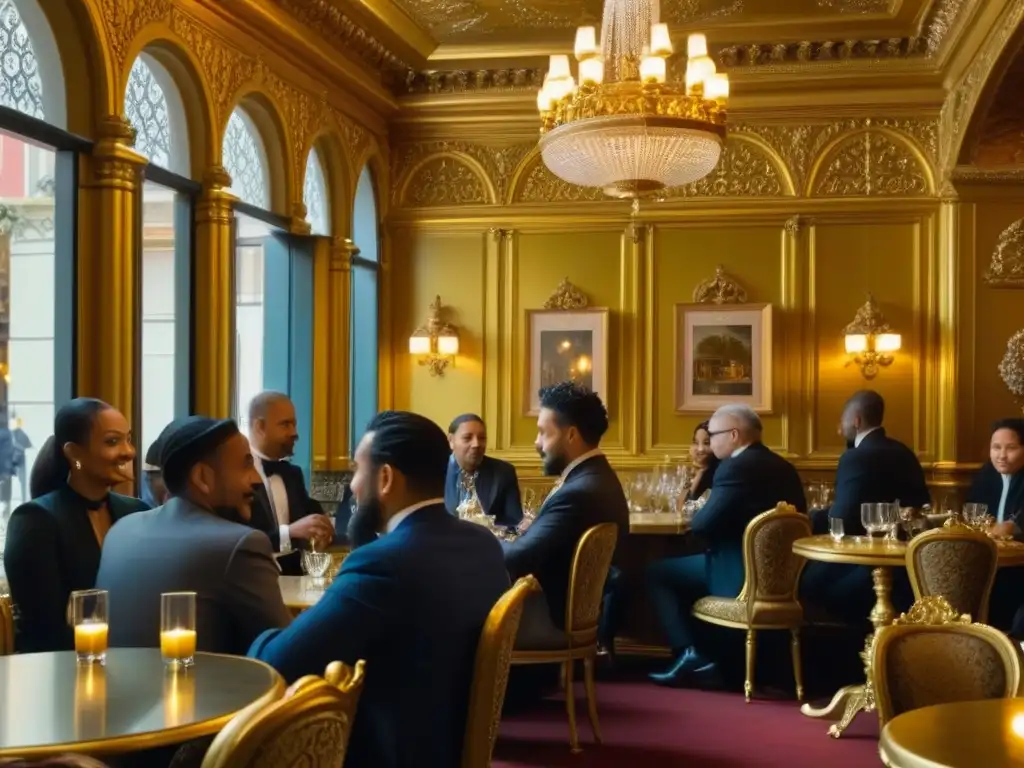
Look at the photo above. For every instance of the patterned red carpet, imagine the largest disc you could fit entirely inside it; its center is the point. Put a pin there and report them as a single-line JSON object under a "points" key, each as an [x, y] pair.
{"points": [[646, 726]]}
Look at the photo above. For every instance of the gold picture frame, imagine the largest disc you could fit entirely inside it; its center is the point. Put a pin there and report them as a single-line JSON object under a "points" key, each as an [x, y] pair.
{"points": [[557, 341], [723, 355]]}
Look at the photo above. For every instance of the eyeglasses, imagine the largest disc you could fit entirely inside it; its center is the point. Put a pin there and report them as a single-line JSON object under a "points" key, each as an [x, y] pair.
{"points": [[720, 432]]}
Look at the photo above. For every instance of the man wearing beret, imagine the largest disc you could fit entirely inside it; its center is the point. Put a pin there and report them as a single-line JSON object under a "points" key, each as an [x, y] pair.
{"points": [[410, 600], [197, 542]]}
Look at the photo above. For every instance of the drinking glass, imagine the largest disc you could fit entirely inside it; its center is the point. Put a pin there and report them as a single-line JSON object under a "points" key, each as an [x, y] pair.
{"points": [[975, 513], [889, 517], [89, 618], [870, 519], [835, 528], [178, 628]]}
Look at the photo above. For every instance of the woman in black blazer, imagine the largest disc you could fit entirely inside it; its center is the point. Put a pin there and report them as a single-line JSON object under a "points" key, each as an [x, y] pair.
{"points": [[54, 540], [1001, 479], [704, 462]]}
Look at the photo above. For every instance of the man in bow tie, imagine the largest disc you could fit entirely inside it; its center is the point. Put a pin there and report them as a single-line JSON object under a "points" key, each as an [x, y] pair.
{"points": [[282, 507]]}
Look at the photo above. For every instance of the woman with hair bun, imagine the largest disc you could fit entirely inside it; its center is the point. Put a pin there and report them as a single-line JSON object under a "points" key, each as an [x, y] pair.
{"points": [[54, 540]]}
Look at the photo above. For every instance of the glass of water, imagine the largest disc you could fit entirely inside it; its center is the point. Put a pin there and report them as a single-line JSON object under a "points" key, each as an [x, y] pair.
{"points": [[835, 528]]}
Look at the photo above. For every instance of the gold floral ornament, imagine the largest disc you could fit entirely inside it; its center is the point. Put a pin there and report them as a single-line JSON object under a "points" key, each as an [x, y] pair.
{"points": [[567, 297], [720, 289], [933, 610], [1011, 369], [1006, 268]]}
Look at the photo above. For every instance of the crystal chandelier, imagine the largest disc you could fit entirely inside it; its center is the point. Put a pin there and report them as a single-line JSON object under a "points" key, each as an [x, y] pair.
{"points": [[624, 128]]}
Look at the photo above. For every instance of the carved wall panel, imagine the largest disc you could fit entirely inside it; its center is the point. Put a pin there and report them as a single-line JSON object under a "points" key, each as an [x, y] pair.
{"points": [[445, 181], [1006, 268], [498, 161], [871, 163], [542, 186], [745, 170]]}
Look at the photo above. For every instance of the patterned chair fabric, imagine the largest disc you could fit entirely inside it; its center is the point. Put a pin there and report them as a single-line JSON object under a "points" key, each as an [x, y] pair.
{"points": [[308, 728], [490, 674], [958, 564], [935, 655], [768, 599]]}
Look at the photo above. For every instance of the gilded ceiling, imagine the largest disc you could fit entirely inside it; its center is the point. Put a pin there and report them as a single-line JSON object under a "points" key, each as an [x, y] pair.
{"points": [[511, 22]]}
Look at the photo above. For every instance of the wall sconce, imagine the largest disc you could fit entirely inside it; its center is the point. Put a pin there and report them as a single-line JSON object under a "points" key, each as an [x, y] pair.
{"points": [[870, 340], [435, 342]]}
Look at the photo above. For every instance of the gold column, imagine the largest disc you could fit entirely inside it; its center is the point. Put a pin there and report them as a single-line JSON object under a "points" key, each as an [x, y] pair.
{"points": [[214, 351], [107, 318], [950, 300], [332, 364]]}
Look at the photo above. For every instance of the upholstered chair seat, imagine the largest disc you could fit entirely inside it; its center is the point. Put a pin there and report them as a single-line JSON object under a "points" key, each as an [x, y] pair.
{"points": [[957, 563]]}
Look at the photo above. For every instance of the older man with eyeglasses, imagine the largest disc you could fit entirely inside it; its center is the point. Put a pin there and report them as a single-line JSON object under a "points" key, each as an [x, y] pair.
{"points": [[751, 480]]}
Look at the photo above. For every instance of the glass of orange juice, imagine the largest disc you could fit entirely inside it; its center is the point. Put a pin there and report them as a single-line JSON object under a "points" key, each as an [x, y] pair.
{"points": [[178, 628], [89, 618]]}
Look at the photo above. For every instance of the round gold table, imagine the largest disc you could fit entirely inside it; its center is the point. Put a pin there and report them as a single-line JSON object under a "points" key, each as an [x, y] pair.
{"points": [[967, 734], [881, 555], [53, 705], [301, 592]]}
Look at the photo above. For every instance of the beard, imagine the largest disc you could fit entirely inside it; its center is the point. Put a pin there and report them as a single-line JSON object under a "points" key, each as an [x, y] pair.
{"points": [[231, 514], [554, 463], [366, 522]]}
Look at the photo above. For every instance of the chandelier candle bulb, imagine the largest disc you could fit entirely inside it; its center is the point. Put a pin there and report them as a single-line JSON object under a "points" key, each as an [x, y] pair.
{"points": [[586, 43], [696, 45], [661, 43], [591, 71], [717, 88], [652, 69], [558, 68]]}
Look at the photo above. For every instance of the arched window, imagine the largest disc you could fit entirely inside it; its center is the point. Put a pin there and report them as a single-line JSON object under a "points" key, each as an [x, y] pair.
{"points": [[37, 242], [155, 110], [245, 159], [365, 269], [314, 195], [21, 87]]}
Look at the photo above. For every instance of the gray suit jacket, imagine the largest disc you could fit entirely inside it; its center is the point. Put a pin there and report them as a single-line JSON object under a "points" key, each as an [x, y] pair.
{"points": [[181, 548]]}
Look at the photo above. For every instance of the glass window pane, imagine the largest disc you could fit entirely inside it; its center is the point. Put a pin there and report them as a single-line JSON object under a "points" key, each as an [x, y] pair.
{"points": [[364, 349], [246, 161], [27, 311], [21, 88], [159, 313], [314, 195], [251, 236], [145, 106]]}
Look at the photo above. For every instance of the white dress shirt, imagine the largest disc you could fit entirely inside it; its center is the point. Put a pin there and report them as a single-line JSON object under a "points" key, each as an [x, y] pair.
{"points": [[397, 518], [278, 500], [738, 451]]}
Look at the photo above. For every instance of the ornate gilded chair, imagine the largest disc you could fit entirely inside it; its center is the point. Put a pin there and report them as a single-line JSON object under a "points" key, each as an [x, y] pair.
{"points": [[61, 761], [6, 626], [934, 655], [768, 599], [490, 673], [957, 563], [590, 567], [308, 727]]}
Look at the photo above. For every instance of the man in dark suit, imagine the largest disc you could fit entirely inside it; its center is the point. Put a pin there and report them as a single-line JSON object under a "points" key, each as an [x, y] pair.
{"points": [[874, 469], [495, 481], [196, 542], [283, 508], [410, 600], [570, 426], [750, 480]]}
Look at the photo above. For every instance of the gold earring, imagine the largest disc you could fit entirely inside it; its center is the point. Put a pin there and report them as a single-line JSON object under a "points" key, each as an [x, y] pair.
{"points": [[78, 464]]}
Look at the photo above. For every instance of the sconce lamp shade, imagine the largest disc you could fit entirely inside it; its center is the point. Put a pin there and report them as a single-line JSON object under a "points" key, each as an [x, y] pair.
{"points": [[856, 343], [887, 342], [448, 345], [419, 345]]}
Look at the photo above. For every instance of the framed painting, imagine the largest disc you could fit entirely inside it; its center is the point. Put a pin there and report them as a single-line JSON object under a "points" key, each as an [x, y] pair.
{"points": [[723, 355], [566, 345]]}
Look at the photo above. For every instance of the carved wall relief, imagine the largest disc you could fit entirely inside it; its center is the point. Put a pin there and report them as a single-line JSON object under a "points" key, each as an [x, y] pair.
{"points": [[542, 186], [745, 170], [445, 181], [1006, 269], [871, 164]]}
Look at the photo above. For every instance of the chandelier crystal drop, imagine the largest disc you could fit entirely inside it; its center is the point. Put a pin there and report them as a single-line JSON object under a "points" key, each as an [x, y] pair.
{"points": [[623, 128]]}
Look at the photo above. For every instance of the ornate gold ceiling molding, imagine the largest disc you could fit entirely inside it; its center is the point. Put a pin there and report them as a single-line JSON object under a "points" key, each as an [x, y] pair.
{"points": [[349, 38], [124, 19], [988, 176]]}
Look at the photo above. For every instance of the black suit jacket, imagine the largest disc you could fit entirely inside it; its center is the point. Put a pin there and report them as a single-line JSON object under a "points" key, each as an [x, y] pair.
{"points": [[744, 486], [591, 494], [299, 505], [987, 488], [877, 471], [412, 605], [497, 487], [52, 551]]}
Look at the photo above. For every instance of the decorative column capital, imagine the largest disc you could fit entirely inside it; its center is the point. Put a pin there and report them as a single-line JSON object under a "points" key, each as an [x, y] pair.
{"points": [[113, 161], [341, 253]]}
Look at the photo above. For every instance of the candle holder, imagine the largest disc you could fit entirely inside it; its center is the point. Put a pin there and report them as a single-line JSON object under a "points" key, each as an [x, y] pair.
{"points": [[89, 619], [178, 628]]}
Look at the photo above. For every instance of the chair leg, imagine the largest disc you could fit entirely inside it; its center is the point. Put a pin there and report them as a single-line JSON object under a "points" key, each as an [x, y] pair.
{"points": [[798, 671], [748, 683], [588, 681], [570, 708]]}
